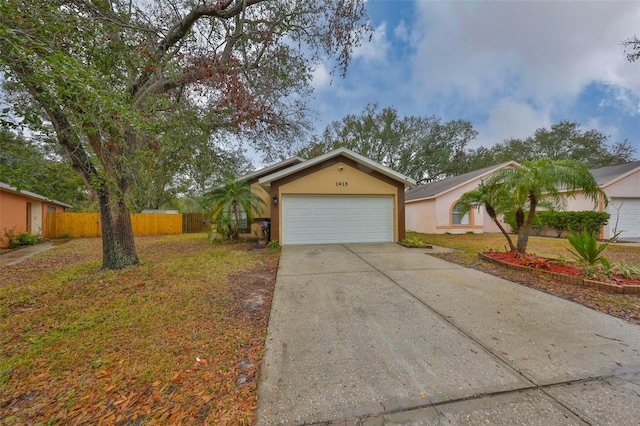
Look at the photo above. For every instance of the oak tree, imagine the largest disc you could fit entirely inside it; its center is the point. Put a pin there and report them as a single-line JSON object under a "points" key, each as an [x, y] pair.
{"points": [[420, 147], [111, 79]]}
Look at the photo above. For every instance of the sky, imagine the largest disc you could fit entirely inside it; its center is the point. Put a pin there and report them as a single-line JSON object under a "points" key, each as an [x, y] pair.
{"points": [[508, 67]]}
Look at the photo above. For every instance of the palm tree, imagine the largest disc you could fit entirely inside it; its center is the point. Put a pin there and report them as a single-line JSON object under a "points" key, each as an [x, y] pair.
{"points": [[229, 199], [539, 182], [491, 198]]}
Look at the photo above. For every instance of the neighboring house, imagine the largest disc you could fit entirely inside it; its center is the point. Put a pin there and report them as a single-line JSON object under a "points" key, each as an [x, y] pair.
{"points": [[24, 211], [338, 197], [621, 184], [434, 208]]}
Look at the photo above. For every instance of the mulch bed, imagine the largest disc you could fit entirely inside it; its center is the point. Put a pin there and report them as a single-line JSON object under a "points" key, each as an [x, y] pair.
{"points": [[563, 271]]}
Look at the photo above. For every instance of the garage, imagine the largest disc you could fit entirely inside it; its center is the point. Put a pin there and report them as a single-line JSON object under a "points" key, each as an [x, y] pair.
{"points": [[325, 219], [338, 197], [625, 217]]}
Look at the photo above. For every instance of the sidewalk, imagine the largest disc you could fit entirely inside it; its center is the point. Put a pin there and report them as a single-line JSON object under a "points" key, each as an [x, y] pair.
{"points": [[17, 256]]}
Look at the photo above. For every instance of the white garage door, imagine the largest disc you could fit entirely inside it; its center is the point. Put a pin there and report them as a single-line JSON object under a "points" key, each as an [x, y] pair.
{"points": [[627, 213], [321, 219]]}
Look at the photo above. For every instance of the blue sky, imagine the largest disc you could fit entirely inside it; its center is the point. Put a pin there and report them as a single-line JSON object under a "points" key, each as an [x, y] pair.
{"points": [[508, 67]]}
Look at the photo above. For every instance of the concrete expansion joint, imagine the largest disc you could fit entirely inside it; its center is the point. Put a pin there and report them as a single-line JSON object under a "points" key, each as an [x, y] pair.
{"points": [[361, 420]]}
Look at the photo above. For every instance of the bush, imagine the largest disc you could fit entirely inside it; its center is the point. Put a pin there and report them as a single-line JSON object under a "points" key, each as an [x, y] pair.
{"points": [[564, 221], [413, 242], [22, 239], [510, 219], [588, 220]]}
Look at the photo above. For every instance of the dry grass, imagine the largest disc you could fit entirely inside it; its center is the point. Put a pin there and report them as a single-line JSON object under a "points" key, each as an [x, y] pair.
{"points": [[78, 345]]}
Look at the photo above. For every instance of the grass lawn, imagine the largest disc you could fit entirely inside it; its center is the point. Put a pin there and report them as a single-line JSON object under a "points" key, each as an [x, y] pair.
{"points": [[619, 305], [176, 340]]}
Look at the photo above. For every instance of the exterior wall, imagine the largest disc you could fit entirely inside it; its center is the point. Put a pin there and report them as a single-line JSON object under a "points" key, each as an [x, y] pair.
{"points": [[339, 176], [629, 187], [421, 216], [265, 210], [13, 213]]}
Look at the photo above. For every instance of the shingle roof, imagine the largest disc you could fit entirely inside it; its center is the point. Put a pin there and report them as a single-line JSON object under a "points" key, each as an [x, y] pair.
{"points": [[267, 170], [432, 189], [30, 194], [266, 180], [609, 174]]}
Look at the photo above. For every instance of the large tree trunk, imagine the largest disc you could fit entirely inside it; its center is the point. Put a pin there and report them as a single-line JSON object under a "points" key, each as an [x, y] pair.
{"points": [[118, 244]]}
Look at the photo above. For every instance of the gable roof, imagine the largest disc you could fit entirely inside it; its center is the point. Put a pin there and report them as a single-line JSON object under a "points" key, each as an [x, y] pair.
{"points": [[30, 194], [267, 170], [433, 189], [266, 180], [608, 175]]}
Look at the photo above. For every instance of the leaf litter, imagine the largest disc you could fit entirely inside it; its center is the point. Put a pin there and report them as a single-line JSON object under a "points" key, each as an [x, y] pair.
{"points": [[175, 340]]}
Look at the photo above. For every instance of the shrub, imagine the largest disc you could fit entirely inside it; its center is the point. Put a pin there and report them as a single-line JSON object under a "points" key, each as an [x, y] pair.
{"points": [[413, 242], [510, 219], [587, 251], [273, 244], [22, 239], [588, 220]]}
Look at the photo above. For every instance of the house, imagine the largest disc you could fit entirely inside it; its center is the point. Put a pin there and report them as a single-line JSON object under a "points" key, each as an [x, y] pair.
{"points": [[621, 184], [24, 211], [337, 197], [434, 208]]}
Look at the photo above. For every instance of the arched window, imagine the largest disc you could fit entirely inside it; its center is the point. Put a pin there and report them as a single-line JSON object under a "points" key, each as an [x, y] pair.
{"points": [[457, 218]]}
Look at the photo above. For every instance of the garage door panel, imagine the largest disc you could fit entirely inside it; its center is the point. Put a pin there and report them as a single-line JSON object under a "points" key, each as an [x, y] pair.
{"points": [[336, 219], [625, 217]]}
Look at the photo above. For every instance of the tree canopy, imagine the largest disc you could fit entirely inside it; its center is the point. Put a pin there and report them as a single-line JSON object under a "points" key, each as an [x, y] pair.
{"points": [[562, 141], [122, 83], [37, 166], [419, 147], [633, 46]]}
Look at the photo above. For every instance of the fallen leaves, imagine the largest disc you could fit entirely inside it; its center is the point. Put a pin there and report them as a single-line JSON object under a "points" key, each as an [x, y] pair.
{"points": [[172, 341]]}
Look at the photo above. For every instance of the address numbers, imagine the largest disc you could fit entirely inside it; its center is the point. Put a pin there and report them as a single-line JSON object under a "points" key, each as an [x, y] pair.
{"points": [[342, 183]]}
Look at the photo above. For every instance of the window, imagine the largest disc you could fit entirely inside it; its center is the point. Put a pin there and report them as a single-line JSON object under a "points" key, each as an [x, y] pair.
{"points": [[457, 218], [243, 225], [51, 209]]}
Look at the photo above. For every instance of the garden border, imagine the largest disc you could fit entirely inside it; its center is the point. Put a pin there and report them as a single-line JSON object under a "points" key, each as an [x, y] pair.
{"points": [[613, 288]]}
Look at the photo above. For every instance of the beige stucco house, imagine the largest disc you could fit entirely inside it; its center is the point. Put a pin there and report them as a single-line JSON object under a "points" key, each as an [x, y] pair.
{"points": [[24, 211], [621, 184], [337, 197], [433, 208]]}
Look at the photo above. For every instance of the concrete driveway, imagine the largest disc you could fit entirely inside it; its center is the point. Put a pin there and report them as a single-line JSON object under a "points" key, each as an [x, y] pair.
{"points": [[379, 334]]}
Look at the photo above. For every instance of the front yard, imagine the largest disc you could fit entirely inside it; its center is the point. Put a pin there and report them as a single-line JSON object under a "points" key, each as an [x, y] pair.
{"points": [[176, 340], [618, 305]]}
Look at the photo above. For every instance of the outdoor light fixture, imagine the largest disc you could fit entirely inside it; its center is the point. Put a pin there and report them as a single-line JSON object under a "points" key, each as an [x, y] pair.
{"points": [[341, 168], [275, 200]]}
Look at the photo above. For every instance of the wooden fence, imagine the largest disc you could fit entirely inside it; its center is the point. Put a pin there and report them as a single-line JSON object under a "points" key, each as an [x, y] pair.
{"points": [[76, 225], [195, 222]]}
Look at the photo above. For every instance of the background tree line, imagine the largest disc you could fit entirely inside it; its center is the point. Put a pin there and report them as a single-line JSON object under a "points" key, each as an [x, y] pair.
{"points": [[427, 149]]}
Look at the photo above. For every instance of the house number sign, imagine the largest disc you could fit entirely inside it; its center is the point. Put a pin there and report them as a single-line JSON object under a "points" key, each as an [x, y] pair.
{"points": [[342, 183]]}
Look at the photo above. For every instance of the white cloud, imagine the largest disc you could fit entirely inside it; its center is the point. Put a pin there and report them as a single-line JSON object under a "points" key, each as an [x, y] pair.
{"points": [[376, 48], [510, 119], [539, 51], [321, 77], [406, 34]]}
